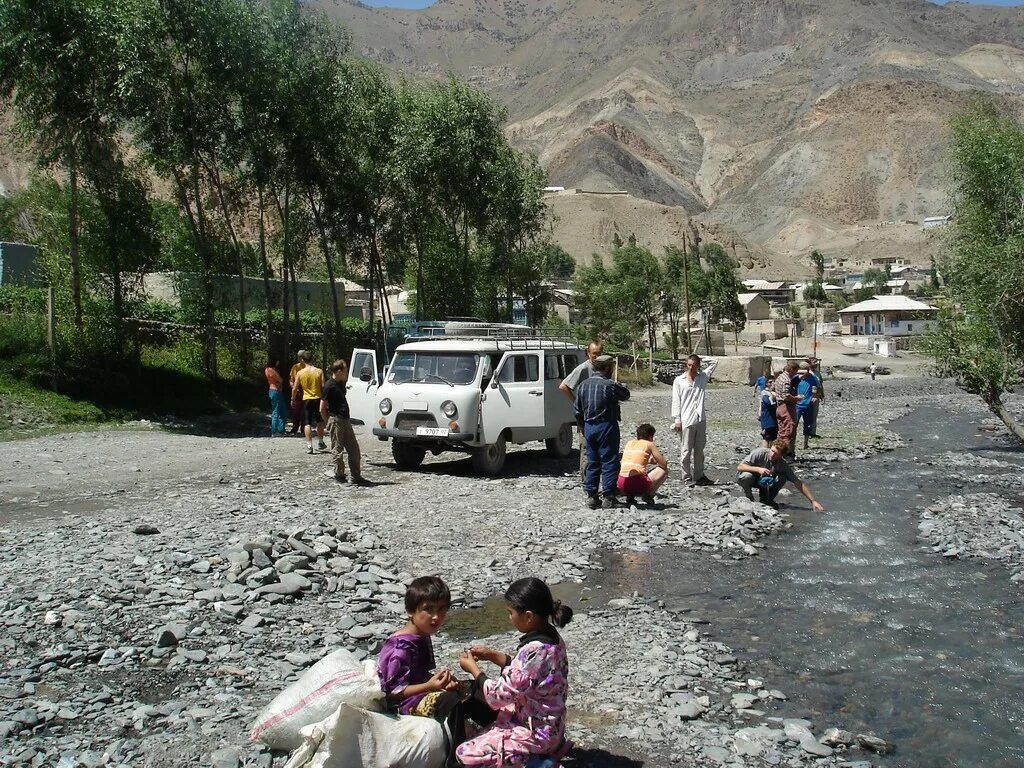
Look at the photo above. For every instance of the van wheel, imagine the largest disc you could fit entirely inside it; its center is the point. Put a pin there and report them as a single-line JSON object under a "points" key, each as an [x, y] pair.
{"points": [[407, 456], [489, 459], [560, 446]]}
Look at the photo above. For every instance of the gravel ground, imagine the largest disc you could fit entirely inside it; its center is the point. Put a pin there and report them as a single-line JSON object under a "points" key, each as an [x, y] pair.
{"points": [[161, 587]]}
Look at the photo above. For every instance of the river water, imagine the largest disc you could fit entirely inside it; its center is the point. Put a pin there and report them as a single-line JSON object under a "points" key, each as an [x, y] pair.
{"points": [[861, 627]]}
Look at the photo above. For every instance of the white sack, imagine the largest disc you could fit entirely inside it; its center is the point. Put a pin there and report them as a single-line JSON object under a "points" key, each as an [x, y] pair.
{"points": [[356, 738], [339, 678]]}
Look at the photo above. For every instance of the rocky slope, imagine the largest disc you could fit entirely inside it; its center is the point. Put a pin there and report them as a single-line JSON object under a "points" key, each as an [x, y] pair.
{"points": [[767, 117]]}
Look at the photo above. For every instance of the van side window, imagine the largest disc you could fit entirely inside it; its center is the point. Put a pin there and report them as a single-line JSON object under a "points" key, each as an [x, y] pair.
{"points": [[553, 367], [520, 368], [359, 362], [569, 363]]}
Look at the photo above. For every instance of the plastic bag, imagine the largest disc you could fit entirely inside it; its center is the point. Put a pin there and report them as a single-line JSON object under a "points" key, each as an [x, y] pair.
{"points": [[355, 738], [339, 678]]}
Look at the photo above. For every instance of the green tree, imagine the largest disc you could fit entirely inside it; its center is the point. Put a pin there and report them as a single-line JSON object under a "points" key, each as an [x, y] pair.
{"points": [[622, 303], [979, 337], [57, 68]]}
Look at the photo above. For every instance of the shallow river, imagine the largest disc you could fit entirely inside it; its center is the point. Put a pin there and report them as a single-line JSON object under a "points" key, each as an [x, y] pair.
{"points": [[862, 628]]}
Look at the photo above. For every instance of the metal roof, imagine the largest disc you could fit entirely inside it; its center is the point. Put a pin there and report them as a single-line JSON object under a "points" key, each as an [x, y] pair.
{"points": [[888, 304]]}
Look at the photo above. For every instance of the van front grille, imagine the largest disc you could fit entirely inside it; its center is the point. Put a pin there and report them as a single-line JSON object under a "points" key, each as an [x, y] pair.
{"points": [[410, 421]]}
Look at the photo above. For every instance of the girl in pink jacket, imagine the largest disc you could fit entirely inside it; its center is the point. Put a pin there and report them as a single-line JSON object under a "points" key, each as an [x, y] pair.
{"points": [[529, 696]]}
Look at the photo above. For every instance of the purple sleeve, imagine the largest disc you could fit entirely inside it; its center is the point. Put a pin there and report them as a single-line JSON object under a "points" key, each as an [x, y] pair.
{"points": [[398, 666]]}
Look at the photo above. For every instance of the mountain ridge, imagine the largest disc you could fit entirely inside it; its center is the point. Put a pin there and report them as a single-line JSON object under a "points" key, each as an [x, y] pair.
{"points": [[754, 116]]}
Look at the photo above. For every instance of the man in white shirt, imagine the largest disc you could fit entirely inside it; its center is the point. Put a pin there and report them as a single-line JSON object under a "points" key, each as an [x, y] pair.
{"points": [[689, 418]]}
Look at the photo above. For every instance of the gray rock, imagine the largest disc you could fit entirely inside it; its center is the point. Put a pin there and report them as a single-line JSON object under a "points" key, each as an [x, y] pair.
{"points": [[743, 700], [874, 744], [260, 559], [812, 746], [237, 556], [228, 757], [361, 633], [252, 621], [289, 563], [290, 584], [145, 530], [835, 736]]}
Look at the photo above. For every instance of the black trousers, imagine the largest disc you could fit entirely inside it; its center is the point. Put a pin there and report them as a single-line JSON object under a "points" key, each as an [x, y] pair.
{"points": [[451, 710]]}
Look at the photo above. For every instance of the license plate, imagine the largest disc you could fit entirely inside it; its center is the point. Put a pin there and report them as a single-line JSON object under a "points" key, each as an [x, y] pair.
{"points": [[431, 432]]}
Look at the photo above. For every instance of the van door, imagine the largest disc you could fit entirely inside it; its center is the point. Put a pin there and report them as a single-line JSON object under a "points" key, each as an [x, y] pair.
{"points": [[361, 391], [558, 409], [515, 397]]}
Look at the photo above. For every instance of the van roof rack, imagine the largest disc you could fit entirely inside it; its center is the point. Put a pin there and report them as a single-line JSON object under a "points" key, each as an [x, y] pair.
{"points": [[517, 336]]}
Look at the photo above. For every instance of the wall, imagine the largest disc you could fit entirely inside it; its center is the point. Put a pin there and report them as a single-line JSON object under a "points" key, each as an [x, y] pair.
{"points": [[757, 309], [18, 264], [313, 295], [740, 369], [763, 330]]}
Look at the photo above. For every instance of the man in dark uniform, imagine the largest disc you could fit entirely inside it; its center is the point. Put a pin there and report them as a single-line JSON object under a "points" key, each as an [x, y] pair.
{"points": [[334, 410], [597, 408]]}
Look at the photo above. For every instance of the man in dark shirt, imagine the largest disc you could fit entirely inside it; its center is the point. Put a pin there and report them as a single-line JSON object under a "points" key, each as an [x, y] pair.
{"points": [[334, 410], [764, 463], [597, 408]]}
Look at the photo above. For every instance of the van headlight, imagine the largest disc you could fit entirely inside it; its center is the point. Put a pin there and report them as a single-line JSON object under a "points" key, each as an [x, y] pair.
{"points": [[385, 406], [448, 409]]}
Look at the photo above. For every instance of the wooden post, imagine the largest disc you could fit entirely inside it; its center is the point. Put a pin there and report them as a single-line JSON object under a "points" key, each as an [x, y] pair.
{"points": [[51, 332]]}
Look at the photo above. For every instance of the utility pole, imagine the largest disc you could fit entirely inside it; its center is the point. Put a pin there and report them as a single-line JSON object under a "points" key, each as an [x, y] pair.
{"points": [[814, 353], [686, 300]]}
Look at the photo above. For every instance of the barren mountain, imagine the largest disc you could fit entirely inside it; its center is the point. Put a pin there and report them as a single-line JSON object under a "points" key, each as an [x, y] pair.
{"points": [[783, 124]]}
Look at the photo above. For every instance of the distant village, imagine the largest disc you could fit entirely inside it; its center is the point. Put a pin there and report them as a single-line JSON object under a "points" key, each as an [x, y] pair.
{"points": [[776, 311]]}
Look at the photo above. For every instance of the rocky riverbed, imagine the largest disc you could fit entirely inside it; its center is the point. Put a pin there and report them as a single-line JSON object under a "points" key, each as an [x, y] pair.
{"points": [[161, 588]]}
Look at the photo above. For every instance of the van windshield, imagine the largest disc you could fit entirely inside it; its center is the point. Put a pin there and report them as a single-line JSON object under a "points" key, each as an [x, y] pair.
{"points": [[441, 367]]}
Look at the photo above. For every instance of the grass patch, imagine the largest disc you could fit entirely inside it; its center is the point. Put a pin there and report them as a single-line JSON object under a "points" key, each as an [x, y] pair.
{"points": [[639, 378]]}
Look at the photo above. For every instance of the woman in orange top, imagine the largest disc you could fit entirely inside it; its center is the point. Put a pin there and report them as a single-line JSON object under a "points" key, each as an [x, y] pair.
{"points": [[278, 412], [634, 477]]}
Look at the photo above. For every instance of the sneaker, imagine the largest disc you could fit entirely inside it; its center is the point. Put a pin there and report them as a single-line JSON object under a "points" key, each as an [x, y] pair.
{"points": [[341, 478], [360, 480], [611, 499], [631, 501], [594, 501], [648, 499], [704, 481], [322, 445], [309, 450]]}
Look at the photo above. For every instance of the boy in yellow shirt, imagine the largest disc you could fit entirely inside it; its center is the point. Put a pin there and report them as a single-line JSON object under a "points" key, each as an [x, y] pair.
{"points": [[309, 385]]}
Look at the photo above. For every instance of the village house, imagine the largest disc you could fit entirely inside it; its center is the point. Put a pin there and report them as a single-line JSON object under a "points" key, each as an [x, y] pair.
{"points": [[778, 293], [760, 325], [886, 316]]}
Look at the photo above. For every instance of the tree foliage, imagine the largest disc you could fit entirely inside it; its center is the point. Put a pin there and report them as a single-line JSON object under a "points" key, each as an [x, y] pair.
{"points": [[626, 301], [282, 154], [979, 338]]}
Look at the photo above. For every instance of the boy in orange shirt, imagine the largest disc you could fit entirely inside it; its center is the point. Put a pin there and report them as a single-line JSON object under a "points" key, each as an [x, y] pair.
{"points": [[634, 477]]}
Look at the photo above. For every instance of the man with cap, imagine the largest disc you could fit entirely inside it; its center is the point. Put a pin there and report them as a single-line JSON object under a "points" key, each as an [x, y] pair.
{"points": [[597, 408], [689, 419], [578, 375]]}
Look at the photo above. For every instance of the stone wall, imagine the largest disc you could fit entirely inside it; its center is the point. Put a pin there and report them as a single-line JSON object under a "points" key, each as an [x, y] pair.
{"points": [[740, 369]]}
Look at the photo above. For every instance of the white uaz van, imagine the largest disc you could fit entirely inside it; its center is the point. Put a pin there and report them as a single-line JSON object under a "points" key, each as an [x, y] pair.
{"points": [[466, 394]]}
